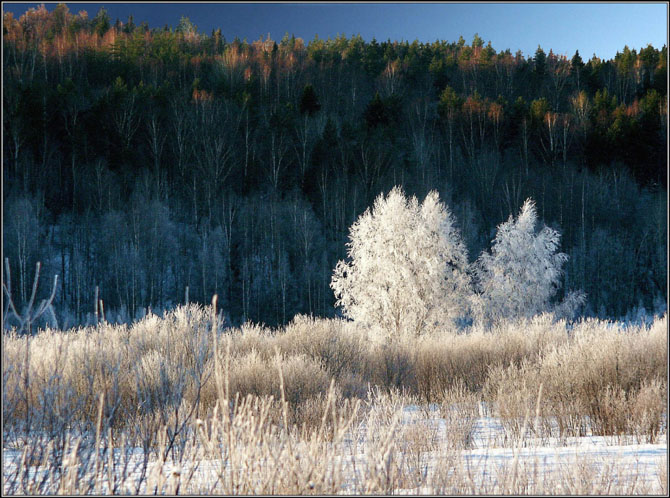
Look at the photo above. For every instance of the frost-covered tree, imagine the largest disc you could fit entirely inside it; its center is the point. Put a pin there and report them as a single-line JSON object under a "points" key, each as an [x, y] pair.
{"points": [[407, 266], [522, 272]]}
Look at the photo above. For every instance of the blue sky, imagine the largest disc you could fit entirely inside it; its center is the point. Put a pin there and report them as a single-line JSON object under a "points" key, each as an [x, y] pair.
{"points": [[598, 28]]}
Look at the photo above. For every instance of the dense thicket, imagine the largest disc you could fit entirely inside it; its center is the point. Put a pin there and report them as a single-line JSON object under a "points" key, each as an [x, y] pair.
{"points": [[145, 161]]}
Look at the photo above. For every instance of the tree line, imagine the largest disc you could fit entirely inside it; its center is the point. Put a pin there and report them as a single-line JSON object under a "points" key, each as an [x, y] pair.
{"points": [[145, 161]]}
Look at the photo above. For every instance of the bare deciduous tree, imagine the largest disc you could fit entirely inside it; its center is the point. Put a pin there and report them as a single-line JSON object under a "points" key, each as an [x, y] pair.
{"points": [[28, 316]]}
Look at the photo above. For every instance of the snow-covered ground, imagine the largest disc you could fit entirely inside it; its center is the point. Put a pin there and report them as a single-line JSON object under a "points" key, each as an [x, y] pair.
{"points": [[488, 461]]}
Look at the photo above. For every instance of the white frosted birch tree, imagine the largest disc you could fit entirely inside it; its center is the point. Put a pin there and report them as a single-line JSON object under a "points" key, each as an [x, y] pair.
{"points": [[406, 267], [522, 273]]}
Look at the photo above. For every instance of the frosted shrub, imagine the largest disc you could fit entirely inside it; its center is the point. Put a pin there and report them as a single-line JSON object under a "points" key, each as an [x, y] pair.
{"points": [[522, 272], [406, 268]]}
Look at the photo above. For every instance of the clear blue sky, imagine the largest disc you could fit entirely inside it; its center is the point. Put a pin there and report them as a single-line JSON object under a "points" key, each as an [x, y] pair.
{"points": [[564, 27]]}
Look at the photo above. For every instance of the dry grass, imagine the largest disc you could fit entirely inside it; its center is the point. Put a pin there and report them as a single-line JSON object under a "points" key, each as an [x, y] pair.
{"points": [[285, 402], [160, 364], [359, 449], [610, 381]]}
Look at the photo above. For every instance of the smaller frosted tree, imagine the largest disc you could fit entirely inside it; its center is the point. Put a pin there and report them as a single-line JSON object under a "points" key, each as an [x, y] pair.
{"points": [[407, 266], [522, 273]]}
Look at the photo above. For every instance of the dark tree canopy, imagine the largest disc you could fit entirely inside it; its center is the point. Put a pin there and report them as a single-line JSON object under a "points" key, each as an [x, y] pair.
{"points": [[309, 103]]}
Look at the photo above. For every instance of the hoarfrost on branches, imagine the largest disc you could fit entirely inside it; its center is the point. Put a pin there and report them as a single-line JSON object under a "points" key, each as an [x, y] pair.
{"points": [[407, 266], [522, 272]]}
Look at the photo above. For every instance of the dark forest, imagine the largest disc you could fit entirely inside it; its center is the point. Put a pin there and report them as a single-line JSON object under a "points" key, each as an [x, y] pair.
{"points": [[162, 164]]}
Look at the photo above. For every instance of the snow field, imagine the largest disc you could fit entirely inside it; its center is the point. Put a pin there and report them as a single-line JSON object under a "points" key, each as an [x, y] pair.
{"points": [[409, 451]]}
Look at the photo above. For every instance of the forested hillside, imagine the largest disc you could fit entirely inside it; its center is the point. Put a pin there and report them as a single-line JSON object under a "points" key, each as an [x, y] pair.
{"points": [[146, 161]]}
